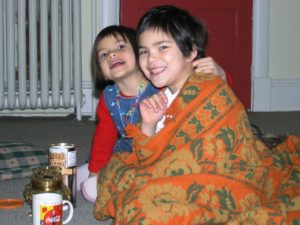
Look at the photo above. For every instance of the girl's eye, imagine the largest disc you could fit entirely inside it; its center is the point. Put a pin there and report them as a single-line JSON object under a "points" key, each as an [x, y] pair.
{"points": [[163, 47]]}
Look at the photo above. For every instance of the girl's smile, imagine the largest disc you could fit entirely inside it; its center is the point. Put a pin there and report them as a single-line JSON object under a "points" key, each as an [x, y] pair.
{"points": [[156, 70], [115, 63]]}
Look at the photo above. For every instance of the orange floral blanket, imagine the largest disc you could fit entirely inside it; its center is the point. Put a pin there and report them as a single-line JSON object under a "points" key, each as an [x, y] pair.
{"points": [[204, 167]]}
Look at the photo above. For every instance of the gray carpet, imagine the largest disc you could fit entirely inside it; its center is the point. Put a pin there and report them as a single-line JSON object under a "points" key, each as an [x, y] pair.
{"points": [[45, 131]]}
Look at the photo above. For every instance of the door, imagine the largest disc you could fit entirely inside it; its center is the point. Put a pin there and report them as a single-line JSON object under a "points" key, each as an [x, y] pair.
{"points": [[229, 25]]}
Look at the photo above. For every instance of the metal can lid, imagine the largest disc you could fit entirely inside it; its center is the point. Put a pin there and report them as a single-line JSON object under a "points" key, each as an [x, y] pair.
{"points": [[62, 144]]}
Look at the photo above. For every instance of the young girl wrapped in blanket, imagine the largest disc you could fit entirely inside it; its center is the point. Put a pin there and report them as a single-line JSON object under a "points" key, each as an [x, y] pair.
{"points": [[194, 157]]}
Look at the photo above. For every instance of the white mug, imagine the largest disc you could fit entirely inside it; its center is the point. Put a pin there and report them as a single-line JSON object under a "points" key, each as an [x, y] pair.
{"points": [[47, 209]]}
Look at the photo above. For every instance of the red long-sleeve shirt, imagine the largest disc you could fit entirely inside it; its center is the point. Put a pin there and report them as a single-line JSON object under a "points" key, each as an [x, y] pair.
{"points": [[105, 137], [106, 134]]}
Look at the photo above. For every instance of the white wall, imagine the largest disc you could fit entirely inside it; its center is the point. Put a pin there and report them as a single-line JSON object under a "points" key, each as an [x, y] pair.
{"points": [[284, 39], [284, 63]]}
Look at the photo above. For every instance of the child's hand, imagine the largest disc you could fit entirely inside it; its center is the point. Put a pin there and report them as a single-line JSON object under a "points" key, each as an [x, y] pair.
{"points": [[208, 65], [152, 110]]}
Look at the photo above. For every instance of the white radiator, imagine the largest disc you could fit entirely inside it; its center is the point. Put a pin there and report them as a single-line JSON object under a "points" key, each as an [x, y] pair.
{"points": [[40, 50]]}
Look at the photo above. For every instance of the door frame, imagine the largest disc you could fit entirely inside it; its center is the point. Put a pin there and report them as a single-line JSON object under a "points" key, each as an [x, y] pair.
{"points": [[261, 80], [260, 77]]}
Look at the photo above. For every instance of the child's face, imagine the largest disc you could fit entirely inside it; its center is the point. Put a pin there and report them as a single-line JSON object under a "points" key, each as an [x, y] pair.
{"points": [[162, 61], [116, 58]]}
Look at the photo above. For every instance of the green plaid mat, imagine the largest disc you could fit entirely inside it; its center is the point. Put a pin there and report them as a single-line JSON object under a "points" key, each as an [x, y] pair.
{"points": [[19, 158]]}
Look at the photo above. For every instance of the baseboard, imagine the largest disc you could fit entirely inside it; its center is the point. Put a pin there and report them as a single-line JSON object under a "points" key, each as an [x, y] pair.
{"points": [[37, 112], [285, 95], [276, 95], [261, 94]]}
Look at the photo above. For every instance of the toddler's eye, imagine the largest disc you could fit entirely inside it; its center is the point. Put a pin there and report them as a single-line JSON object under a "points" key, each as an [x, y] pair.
{"points": [[102, 56], [142, 51], [121, 46]]}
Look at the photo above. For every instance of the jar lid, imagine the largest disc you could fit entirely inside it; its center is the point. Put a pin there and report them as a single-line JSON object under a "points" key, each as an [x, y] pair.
{"points": [[47, 179]]}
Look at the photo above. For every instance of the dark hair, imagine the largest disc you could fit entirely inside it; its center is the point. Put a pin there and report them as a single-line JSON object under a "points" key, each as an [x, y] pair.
{"points": [[187, 31], [127, 33]]}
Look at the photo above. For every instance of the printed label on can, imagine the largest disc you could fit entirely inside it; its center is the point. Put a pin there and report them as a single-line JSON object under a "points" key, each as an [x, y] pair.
{"points": [[51, 214], [62, 156], [57, 159]]}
